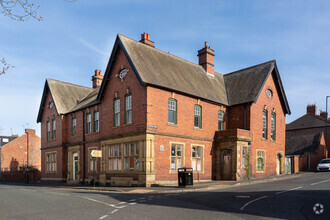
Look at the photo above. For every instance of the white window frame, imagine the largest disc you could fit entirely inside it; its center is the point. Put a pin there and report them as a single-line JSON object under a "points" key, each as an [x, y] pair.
{"points": [[117, 112], [96, 121], [88, 123], [115, 157], [174, 156], [128, 109], [197, 155]]}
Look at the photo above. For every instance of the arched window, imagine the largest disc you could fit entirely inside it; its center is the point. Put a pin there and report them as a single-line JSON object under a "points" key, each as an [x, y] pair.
{"points": [[273, 126], [264, 124], [172, 111], [198, 116], [128, 109]]}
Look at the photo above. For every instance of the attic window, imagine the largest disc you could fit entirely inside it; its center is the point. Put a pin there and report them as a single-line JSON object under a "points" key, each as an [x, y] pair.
{"points": [[269, 93], [50, 105]]}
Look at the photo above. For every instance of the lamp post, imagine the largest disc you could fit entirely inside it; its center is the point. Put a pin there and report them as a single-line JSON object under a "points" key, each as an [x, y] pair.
{"points": [[326, 123]]}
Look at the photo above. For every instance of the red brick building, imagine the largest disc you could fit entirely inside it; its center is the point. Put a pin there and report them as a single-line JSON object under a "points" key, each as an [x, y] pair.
{"points": [[21, 151], [153, 112]]}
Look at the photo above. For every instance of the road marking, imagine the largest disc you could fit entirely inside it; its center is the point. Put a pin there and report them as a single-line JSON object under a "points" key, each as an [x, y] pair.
{"points": [[121, 203], [320, 182], [104, 216], [104, 203], [246, 204], [289, 190], [132, 200], [114, 211], [62, 194], [31, 190], [132, 203]]}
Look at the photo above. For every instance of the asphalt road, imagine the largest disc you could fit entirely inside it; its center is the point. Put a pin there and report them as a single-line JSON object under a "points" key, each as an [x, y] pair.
{"points": [[304, 197]]}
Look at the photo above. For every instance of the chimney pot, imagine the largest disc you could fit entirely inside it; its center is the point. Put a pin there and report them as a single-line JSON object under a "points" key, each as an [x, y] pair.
{"points": [[97, 78], [206, 44], [311, 109], [324, 114], [145, 38]]}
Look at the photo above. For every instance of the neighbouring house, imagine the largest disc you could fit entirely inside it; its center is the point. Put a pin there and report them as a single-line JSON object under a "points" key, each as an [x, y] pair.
{"points": [[5, 140], [153, 112], [311, 123], [306, 139], [21, 151], [305, 150]]}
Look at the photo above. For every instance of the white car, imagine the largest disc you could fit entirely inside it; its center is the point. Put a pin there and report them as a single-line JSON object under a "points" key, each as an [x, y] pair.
{"points": [[324, 165]]}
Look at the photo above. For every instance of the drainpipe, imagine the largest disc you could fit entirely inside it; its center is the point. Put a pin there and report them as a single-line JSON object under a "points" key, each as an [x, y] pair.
{"points": [[245, 116], [84, 139], [27, 156]]}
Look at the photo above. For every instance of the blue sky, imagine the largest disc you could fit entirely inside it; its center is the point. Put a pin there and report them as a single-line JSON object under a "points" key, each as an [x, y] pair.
{"points": [[74, 39]]}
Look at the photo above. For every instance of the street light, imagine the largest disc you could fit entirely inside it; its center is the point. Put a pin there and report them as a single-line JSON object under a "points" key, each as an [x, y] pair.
{"points": [[326, 123]]}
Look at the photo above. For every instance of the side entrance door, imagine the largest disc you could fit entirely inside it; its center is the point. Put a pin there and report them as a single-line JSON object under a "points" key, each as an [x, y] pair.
{"points": [[75, 166], [226, 165]]}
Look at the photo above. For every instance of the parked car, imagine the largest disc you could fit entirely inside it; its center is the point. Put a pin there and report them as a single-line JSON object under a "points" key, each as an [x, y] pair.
{"points": [[324, 165]]}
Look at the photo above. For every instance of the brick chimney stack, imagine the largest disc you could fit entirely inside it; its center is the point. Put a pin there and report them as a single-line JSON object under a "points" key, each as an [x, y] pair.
{"points": [[206, 58], [97, 78], [324, 115], [311, 109], [145, 38]]}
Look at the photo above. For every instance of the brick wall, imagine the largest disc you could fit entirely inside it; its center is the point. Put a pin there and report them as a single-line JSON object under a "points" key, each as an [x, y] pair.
{"points": [[272, 148], [13, 154]]}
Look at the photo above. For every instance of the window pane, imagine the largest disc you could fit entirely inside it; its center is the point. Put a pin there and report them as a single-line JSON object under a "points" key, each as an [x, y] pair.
{"points": [[178, 151], [119, 150], [172, 163], [115, 161], [199, 165], [126, 149], [193, 152], [173, 150], [199, 152], [196, 121], [119, 164], [137, 149], [136, 163], [126, 163], [194, 164], [171, 116], [178, 162], [132, 150]]}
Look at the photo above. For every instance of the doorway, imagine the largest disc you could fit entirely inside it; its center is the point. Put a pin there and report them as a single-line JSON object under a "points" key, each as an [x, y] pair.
{"points": [[226, 165], [279, 164], [75, 166]]}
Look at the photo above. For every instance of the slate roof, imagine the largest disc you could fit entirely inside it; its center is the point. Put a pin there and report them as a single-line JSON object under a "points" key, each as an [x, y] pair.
{"points": [[244, 85], [299, 144], [160, 69], [307, 121], [65, 95]]}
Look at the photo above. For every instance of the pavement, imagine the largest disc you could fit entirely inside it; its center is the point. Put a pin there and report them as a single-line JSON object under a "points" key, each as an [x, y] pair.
{"points": [[198, 186]]}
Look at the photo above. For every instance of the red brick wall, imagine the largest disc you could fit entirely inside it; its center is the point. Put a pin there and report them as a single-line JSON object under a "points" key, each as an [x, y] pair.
{"points": [[158, 114], [163, 158], [272, 148], [49, 114], [296, 164], [13, 154]]}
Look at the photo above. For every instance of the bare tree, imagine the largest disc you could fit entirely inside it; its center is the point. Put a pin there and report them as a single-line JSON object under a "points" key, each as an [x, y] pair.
{"points": [[5, 66], [19, 10]]}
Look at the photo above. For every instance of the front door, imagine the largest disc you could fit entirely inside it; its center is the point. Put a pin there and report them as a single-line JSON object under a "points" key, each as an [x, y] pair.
{"points": [[226, 165], [278, 164], [75, 166]]}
